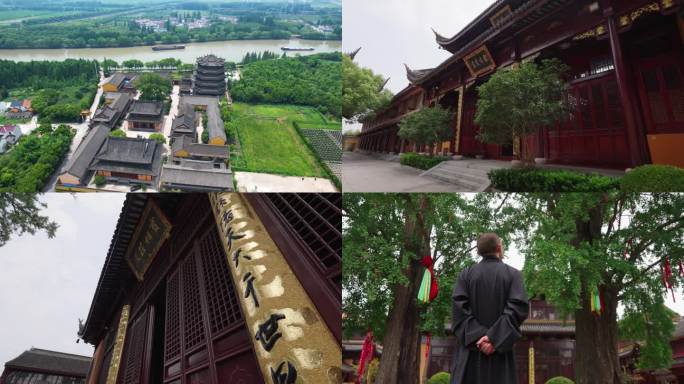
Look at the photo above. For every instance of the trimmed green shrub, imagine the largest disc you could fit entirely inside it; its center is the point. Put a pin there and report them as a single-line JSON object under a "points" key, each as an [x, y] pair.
{"points": [[205, 136], [545, 180], [117, 133], [439, 378], [419, 161], [100, 181], [559, 380], [158, 137], [653, 178]]}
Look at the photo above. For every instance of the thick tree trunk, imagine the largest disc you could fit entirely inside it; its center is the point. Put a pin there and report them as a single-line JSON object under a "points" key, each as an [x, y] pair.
{"points": [[400, 363], [596, 336], [596, 355]]}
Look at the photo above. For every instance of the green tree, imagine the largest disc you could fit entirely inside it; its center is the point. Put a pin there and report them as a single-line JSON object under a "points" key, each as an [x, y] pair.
{"points": [[427, 126], [517, 102], [117, 133], [153, 87], [205, 137], [100, 181], [616, 243], [362, 91], [20, 213], [158, 137], [384, 238], [132, 63]]}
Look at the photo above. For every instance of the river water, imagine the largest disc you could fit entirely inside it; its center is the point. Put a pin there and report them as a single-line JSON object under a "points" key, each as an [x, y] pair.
{"points": [[233, 50]]}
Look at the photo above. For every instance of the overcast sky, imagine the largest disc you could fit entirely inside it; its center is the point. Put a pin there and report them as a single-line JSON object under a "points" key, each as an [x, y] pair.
{"points": [[393, 32], [46, 285]]}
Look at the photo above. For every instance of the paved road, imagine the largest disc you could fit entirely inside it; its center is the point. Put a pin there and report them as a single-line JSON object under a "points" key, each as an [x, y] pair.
{"points": [[361, 173]]}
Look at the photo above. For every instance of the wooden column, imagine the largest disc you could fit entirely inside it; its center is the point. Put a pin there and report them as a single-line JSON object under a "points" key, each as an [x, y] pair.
{"points": [[635, 139]]}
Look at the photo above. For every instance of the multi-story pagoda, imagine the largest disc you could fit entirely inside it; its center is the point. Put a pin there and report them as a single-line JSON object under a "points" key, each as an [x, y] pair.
{"points": [[210, 76]]}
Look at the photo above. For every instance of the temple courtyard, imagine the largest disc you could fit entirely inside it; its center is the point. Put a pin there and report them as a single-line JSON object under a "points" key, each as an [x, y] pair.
{"points": [[383, 173]]}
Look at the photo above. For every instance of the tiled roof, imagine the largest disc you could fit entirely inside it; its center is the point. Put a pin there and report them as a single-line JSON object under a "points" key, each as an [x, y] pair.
{"points": [[197, 174], [57, 362], [86, 151]]}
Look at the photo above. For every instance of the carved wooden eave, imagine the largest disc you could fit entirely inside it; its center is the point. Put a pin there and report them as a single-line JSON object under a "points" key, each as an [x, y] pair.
{"points": [[416, 76]]}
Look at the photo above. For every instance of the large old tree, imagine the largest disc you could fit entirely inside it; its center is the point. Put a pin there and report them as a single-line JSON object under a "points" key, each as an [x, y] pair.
{"points": [[615, 243], [385, 236]]}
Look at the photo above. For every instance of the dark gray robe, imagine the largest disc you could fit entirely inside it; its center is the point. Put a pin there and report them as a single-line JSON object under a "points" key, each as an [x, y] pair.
{"points": [[488, 299]]}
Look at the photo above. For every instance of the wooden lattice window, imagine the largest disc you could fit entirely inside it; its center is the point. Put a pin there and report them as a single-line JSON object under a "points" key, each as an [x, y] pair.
{"points": [[135, 350], [192, 306], [317, 219], [172, 339], [223, 306]]}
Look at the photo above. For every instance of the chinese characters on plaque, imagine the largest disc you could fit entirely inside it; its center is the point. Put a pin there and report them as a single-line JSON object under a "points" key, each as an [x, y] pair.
{"points": [[152, 230]]}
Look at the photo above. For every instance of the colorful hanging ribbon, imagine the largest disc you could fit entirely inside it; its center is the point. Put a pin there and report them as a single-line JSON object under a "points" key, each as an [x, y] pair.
{"points": [[367, 351], [666, 270], [428, 290], [596, 301]]}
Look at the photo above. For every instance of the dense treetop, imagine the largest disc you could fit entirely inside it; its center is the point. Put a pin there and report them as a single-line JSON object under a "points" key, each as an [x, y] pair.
{"points": [[314, 80]]}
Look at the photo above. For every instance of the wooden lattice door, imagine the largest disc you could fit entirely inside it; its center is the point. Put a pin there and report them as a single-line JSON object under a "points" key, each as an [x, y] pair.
{"points": [[206, 339], [661, 88]]}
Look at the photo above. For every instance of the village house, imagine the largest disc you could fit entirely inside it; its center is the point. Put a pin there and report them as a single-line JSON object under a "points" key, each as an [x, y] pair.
{"points": [[9, 135], [145, 116], [20, 109], [43, 366], [120, 82], [115, 107], [126, 160], [77, 170]]}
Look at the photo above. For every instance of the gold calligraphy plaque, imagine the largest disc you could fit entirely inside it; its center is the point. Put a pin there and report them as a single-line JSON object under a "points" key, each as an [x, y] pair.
{"points": [[150, 233], [113, 371]]}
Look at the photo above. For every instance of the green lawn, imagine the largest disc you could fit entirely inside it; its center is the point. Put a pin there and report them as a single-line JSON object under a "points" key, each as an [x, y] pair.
{"points": [[269, 142]]}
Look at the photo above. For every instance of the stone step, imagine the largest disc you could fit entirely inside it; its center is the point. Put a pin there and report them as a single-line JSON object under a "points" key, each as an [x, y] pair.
{"points": [[455, 172]]}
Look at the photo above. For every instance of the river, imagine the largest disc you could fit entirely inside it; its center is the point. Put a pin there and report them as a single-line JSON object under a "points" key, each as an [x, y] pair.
{"points": [[233, 50]]}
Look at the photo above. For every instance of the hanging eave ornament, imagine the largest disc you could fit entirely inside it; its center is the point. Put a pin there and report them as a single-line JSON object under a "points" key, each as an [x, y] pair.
{"points": [[427, 292]]}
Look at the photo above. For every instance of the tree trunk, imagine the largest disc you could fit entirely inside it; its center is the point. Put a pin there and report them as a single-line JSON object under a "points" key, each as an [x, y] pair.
{"points": [[596, 355], [400, 361]]}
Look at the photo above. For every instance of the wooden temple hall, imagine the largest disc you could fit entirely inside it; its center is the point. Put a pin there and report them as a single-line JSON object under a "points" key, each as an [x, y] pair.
{"points": [[627, 71], [220, 288]]}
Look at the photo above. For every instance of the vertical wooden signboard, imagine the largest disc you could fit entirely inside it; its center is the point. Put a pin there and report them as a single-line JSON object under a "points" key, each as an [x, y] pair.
{"points": [[292, 343]]}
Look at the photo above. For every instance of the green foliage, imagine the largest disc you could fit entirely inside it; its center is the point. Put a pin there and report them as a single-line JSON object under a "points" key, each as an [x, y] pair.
{"points": [[375, 252], [419, 161], [653, 178], [612, 240], [47, 74], [361, 91], [205, 137], [440, 378], [427, 126], [132, 64], [20, 213], [307, 80], [517, 102], [251, 57], [153, 87], [83, 24], [158, 137], [651, 323], [28, 166], [545, 180], [100, 181], [117, 133], [559, 380]]}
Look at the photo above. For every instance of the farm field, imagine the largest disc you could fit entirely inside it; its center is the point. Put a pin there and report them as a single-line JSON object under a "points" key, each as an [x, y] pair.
{"points": [[267, 142]]}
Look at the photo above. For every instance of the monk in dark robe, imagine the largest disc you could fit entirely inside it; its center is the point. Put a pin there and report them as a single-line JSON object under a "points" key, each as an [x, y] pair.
{"points": [[489, 304]]}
